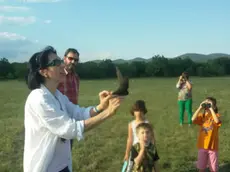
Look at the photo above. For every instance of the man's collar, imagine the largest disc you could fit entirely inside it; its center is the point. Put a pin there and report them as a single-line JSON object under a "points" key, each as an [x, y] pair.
{"points": [[46, 90], [68, 72]]}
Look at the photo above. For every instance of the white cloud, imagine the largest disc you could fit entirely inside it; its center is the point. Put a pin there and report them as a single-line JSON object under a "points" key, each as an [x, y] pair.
{"points": [[17, 48], [11, 36], [13, 8], [17, 20], [47, 21]]}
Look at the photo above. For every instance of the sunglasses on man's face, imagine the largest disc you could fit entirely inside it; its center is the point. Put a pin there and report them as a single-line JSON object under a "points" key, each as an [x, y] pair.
{"points": [[55, 62], [73, 59]]}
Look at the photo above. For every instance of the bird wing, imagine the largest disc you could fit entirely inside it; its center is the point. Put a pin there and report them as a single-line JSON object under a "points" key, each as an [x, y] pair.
{"points": [[119, 75]]}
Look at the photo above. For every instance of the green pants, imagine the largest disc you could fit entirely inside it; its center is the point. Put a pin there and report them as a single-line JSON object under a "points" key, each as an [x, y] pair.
{"points": [[185, 105]]}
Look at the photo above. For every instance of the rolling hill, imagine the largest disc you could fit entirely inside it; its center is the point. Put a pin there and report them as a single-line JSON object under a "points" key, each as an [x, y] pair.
{"points": [[203, 57], [194, 56]]}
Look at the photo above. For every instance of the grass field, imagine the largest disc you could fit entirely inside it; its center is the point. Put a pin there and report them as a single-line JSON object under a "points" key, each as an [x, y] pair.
{"points": [[103, 148]]}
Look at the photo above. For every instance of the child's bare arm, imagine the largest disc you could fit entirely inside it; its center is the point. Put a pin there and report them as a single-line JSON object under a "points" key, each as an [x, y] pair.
{"points": [[129, 142], [138, 160], [178, 82], [196, 113], [216, 119], [189, 85]]}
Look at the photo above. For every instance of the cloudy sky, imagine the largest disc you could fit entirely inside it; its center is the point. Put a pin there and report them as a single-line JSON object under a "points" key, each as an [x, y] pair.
{"points": [[114, 29]]}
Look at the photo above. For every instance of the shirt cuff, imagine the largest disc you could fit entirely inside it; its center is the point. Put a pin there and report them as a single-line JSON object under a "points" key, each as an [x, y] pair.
{"points": [[81, 127], [87, 112], [80, 130]]}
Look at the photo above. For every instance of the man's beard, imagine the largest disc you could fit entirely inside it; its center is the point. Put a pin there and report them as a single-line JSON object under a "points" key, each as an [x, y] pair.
{"points": [[71, 67]]}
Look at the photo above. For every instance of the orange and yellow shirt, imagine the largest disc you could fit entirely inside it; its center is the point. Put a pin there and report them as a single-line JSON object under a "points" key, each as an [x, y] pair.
{"points": [[208, 134]]}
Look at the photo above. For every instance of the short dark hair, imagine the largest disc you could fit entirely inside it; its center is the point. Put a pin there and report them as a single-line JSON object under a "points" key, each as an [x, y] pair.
{"points": [[185, 75], [71, 50], [144, 125], [139, 105], [38, 61], [214, 103]]}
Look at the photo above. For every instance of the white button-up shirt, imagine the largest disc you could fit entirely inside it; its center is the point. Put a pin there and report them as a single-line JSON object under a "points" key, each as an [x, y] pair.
{"points": [[48, 118]]}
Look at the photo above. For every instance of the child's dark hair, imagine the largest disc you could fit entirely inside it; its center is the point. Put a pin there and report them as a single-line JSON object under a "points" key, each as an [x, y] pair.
{"points": [[214, 102], [38, 61], [185, 75], [144, 125], [139, 105]]}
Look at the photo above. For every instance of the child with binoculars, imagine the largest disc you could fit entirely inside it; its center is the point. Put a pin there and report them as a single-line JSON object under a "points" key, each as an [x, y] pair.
{"points": [[208, 118]]}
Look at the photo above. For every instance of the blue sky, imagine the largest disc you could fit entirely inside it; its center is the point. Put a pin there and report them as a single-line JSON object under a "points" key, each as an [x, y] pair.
{"points": [[119, 29]]}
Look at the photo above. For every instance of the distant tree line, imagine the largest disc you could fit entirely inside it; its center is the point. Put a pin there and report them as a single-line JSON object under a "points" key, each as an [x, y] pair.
{"points": [[158, 66]]}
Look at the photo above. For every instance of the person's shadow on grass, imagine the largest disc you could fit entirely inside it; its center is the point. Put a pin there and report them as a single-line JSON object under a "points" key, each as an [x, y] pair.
{"points": [[222, 168], [225, 167]]}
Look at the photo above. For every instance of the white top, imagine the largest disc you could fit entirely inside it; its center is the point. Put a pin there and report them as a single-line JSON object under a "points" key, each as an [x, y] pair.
{"points": [[134, 125], [49, 118]]}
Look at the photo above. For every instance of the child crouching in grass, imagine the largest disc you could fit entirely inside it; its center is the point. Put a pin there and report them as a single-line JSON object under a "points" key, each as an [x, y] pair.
{"points": [[208, 118], [143, 154]]}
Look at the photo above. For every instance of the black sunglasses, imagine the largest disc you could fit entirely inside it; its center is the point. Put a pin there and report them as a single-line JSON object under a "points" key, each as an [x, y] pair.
{"points": [[71, 58], [55, 62]]}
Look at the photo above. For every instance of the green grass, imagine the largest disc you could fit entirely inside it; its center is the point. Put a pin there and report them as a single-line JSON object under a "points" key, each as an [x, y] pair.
{"points": [[103, 148]]}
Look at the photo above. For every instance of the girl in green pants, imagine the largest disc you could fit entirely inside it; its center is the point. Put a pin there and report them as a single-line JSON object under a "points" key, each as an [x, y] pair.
{"points": [[185, 97]]}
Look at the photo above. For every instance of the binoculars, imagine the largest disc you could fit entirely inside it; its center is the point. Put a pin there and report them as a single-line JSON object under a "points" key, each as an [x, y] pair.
{"points": [[206, 105]]}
